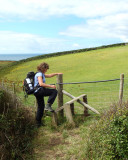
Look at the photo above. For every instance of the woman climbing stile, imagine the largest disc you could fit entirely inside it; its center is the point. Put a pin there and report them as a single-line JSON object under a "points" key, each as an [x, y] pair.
{"points": [[42, 89]]}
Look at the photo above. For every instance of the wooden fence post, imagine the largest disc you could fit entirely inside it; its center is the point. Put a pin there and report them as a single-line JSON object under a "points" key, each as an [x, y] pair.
{"points": [[72, 108], [68, 114], [121, 88], [60, 93], [85, 109]]}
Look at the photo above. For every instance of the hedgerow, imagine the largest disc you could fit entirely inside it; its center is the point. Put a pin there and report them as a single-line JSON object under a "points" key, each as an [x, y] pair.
{"points": [[108, 138], [17, 128]]}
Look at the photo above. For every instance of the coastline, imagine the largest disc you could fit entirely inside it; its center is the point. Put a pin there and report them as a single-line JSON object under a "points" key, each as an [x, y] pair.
{"points": [[15, 57]]}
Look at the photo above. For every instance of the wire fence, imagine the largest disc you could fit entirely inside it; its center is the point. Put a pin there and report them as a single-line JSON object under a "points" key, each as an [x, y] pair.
{"points": [[100, 94]]}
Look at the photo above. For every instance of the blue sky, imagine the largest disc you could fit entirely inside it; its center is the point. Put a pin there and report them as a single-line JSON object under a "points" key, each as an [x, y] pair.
{"points": [[47, 26]]}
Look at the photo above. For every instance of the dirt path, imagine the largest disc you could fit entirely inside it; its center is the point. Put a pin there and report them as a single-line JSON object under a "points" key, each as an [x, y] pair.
{"points": [[58, 146], [47, 145]]}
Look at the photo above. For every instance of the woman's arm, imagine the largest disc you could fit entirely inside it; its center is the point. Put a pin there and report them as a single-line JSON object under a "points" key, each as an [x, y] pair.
{"points": [[40, 80], [51, 75]]}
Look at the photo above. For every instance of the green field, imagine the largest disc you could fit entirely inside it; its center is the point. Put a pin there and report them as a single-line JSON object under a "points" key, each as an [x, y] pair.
{"points": [[100, 64], [85, 66]]}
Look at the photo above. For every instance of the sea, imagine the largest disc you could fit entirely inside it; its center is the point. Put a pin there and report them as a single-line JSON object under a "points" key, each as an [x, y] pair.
{"points": [[16, 57]]}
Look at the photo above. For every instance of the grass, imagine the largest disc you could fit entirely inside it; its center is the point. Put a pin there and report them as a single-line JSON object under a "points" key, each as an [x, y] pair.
{"points": [[64, 143], [4, 63], [102, 64], [90, 66]]}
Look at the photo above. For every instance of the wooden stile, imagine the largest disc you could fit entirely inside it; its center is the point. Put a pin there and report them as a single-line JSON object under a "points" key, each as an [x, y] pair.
{"points": [[79, 101], [75, 99]]}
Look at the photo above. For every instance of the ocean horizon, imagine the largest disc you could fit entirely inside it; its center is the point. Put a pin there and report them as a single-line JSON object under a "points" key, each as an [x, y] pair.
{"points": [[16, 57]]}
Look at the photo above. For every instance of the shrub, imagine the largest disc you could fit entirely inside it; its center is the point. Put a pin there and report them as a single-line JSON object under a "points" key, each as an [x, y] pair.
{"points": [[119, 137], [108, 138], [16, 128]]}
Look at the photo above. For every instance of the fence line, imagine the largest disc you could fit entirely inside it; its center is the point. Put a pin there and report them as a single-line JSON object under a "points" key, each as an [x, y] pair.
{"points": [[19, 82], [92, 90], [96, 96]]}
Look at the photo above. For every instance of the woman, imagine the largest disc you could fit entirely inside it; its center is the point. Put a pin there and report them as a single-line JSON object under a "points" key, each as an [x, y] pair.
{"points": [[42, 90]]}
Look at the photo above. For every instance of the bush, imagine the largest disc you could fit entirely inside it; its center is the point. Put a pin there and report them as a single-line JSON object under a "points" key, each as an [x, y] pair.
{"points": [[119, 137], [108, 138], [16, 128]]}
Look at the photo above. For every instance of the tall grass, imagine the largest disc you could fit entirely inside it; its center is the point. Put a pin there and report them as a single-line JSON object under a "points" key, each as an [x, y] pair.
{"points": [[5, 63], [16, 128], [108, 138]]}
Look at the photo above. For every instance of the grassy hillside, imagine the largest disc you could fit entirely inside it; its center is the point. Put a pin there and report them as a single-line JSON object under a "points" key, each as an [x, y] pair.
{"points": [[4, 63], [101, 64]]}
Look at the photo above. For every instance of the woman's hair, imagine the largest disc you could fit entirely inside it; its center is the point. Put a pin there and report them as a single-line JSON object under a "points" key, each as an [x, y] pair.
{"points": [[42, 67]]}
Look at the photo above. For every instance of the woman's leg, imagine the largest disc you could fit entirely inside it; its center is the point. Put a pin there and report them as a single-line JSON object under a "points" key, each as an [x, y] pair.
{"points": [[40, 109], [40, 101], [52, 93]]}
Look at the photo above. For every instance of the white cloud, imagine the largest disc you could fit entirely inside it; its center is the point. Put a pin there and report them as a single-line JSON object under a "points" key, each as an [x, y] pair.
{"points": [[12, 42], [115, 26], [76, 45], [39, 9], [103, 19]]}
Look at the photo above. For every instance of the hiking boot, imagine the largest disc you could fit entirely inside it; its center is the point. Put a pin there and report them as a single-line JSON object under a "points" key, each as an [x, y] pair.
{"points": [[48, 107]]}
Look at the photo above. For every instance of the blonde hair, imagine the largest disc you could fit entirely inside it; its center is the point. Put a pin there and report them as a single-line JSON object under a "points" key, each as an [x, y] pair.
{"points": [[42, 67]]}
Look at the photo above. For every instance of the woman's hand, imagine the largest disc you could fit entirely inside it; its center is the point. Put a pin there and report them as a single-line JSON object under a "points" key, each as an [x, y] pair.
{"points": [[52, 75], [53, 86]]}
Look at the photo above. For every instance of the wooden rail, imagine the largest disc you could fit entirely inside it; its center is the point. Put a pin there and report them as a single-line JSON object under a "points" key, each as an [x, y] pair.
{"points": [[75, 99], [69, 108], [68, 103], [82, 103]]}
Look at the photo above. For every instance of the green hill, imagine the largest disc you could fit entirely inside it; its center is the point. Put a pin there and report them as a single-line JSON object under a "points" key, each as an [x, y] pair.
{"points": [[94, 65], [106, 63], [99, 64]]}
